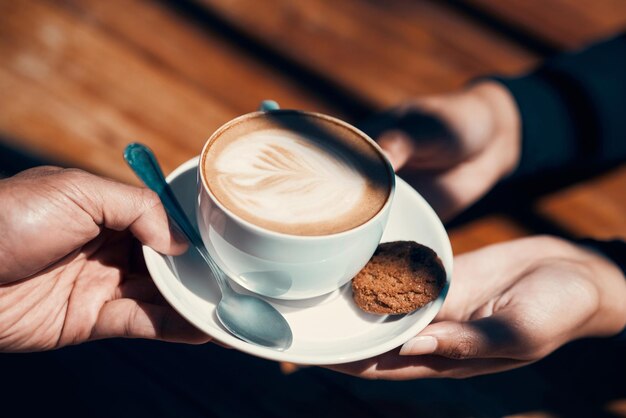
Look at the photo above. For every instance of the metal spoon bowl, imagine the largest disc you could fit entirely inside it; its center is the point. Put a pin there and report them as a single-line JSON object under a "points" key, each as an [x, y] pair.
{"points": [[247, 317]]}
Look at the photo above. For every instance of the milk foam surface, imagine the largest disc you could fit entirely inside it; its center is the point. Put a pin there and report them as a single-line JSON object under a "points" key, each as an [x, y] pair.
{"points": [[283, 178]]}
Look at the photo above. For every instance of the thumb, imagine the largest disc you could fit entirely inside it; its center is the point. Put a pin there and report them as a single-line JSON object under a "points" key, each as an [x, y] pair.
{"points": [[111, 205], [72, 206], [120, 206], [490, 337]]}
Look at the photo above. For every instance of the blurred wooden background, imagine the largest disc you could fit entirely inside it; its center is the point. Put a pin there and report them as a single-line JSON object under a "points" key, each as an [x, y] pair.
{"points": [[82, 78], [79, 79]]}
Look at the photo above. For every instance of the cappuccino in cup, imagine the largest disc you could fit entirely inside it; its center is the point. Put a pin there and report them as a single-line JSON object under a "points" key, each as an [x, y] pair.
{"points": [[296, 174], [292, 204]]}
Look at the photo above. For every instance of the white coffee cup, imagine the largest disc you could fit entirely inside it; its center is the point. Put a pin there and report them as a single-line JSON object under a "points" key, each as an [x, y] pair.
{"points": [[281, 265]]}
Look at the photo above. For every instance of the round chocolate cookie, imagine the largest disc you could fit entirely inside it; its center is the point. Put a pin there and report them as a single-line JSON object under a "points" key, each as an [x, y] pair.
{"points": [[401, 277]]}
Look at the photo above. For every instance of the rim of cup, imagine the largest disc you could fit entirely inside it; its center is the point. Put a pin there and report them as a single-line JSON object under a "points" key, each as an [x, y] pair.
{"points": [[269, 232]]}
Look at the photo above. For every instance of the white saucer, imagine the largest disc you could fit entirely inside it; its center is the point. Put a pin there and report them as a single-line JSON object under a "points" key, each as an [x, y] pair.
{"points": [[326, 330]]}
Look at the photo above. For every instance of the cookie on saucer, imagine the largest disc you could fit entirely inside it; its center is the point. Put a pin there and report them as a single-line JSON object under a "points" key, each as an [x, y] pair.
{"points": [[401, 276]]}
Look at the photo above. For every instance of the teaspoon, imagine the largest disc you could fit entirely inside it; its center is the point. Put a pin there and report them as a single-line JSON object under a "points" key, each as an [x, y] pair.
{"points": [[247, 317]]}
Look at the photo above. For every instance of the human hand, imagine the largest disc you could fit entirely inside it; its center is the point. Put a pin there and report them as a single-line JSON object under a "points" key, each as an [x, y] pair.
{"points": [[452, 147], [70, 269], [509, 305]]}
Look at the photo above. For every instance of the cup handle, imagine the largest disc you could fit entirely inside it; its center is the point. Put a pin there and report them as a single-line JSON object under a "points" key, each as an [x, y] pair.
{"points": [[268, 105]]}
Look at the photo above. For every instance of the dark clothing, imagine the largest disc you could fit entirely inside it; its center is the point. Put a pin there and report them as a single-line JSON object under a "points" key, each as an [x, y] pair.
{"points": [[573, 109], [139, 378], [573, 113]]}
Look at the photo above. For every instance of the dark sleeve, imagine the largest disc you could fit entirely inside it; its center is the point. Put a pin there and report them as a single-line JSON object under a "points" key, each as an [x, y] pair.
{"points": [[573, 109]]}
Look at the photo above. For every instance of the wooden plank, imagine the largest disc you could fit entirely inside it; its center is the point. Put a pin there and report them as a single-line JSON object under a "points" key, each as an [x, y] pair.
{"points": [[79, 92], [564, 24], [83, 85], [594, 208], [201, 56], [81, 96], [491, 229], [381, 51]]}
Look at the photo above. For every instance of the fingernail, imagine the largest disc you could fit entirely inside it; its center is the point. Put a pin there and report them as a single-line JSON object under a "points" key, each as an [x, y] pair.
{"points": [[424, 344]]}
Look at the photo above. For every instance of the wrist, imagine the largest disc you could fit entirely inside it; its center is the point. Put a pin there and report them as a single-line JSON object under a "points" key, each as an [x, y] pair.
{"points": [[594, 282], [506, 123], [610, 282]]}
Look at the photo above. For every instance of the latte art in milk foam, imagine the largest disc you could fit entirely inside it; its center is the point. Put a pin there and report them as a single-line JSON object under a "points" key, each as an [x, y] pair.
{"points": [[294, 184]]}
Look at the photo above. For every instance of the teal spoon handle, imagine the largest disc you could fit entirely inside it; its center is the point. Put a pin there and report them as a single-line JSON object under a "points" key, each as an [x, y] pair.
{"points": [[143, 162], [268, 106]]}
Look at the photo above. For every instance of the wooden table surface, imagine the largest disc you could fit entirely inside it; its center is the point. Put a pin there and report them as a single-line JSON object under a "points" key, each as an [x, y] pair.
{"points": [[79, 79]]}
